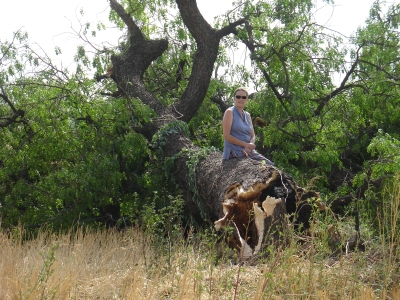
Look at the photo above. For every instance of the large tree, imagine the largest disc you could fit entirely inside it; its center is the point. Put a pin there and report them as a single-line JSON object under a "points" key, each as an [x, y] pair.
{"points": [[293, 59], [246, 187]]}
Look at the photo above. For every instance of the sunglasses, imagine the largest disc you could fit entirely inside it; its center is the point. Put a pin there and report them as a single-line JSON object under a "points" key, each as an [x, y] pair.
{"points": [[243, 97]]}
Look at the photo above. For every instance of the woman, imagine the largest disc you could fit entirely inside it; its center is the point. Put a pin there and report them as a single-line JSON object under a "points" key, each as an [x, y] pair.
{"points": [[238, 131]]}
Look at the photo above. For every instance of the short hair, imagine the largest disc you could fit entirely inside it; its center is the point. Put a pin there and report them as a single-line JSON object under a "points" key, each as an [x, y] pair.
{"points": [[241, 89]]}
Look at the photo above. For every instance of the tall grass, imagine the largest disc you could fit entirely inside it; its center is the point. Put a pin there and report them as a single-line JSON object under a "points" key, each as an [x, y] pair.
{"points": [[389, 225], [107, 264]]}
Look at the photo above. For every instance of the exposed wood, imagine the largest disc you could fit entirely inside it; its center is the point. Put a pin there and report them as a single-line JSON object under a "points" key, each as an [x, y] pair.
{"points": [[232, 192]]}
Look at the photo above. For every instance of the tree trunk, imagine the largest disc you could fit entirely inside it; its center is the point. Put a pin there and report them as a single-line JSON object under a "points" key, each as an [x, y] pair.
{"points": [[252, 197]]}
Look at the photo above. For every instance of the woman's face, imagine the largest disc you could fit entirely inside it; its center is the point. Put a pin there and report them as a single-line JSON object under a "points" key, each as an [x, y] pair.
{"points": [[240, 99]]}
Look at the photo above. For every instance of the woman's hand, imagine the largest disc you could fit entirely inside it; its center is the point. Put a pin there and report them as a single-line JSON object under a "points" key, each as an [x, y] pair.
{"points": [[251, 146], [246, 151]]}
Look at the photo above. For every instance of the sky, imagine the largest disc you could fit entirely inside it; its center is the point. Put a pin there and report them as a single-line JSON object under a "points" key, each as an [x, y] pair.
{"points": [[49, 23]]}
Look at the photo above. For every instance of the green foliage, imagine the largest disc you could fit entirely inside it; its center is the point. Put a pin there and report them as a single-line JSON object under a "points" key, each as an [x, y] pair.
{"points": [[72, 167], [310, 130], [206, 125], [387, 151], [159, 140], [163, 222], [70, 155]]}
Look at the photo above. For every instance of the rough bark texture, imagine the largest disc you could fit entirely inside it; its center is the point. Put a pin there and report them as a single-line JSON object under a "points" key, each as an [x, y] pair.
{"points": [[236, 188], [233, 193]]}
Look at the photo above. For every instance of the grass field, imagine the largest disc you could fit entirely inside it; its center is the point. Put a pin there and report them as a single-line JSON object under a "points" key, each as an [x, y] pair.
{"points": [[131, 264]]}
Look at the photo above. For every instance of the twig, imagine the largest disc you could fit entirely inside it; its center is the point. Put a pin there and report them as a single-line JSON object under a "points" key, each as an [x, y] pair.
{"points": [[267, 279], [237, 279]]}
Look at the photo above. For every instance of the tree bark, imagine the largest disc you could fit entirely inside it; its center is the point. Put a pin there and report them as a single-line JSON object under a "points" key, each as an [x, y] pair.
{"points": [[252, 197]]}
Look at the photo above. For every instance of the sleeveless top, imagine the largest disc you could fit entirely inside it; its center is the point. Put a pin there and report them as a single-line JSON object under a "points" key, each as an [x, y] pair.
{"points": [[241, 129]]}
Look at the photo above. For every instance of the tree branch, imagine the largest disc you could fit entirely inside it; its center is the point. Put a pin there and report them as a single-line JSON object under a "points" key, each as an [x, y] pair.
{"points": [[324, 100], [7, 100], [230, 28], [134, 30]]}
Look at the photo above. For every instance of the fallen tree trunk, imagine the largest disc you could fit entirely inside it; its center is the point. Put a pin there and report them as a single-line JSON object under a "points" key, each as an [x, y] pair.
{"points": [[254, 198]]}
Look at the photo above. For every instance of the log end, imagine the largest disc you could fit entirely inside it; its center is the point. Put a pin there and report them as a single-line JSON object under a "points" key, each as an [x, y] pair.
{"points": [[246, 211]]}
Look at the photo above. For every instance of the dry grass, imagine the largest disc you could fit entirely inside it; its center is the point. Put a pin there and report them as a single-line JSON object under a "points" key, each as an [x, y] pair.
{"points": [[122, 265], [105, 264]]}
